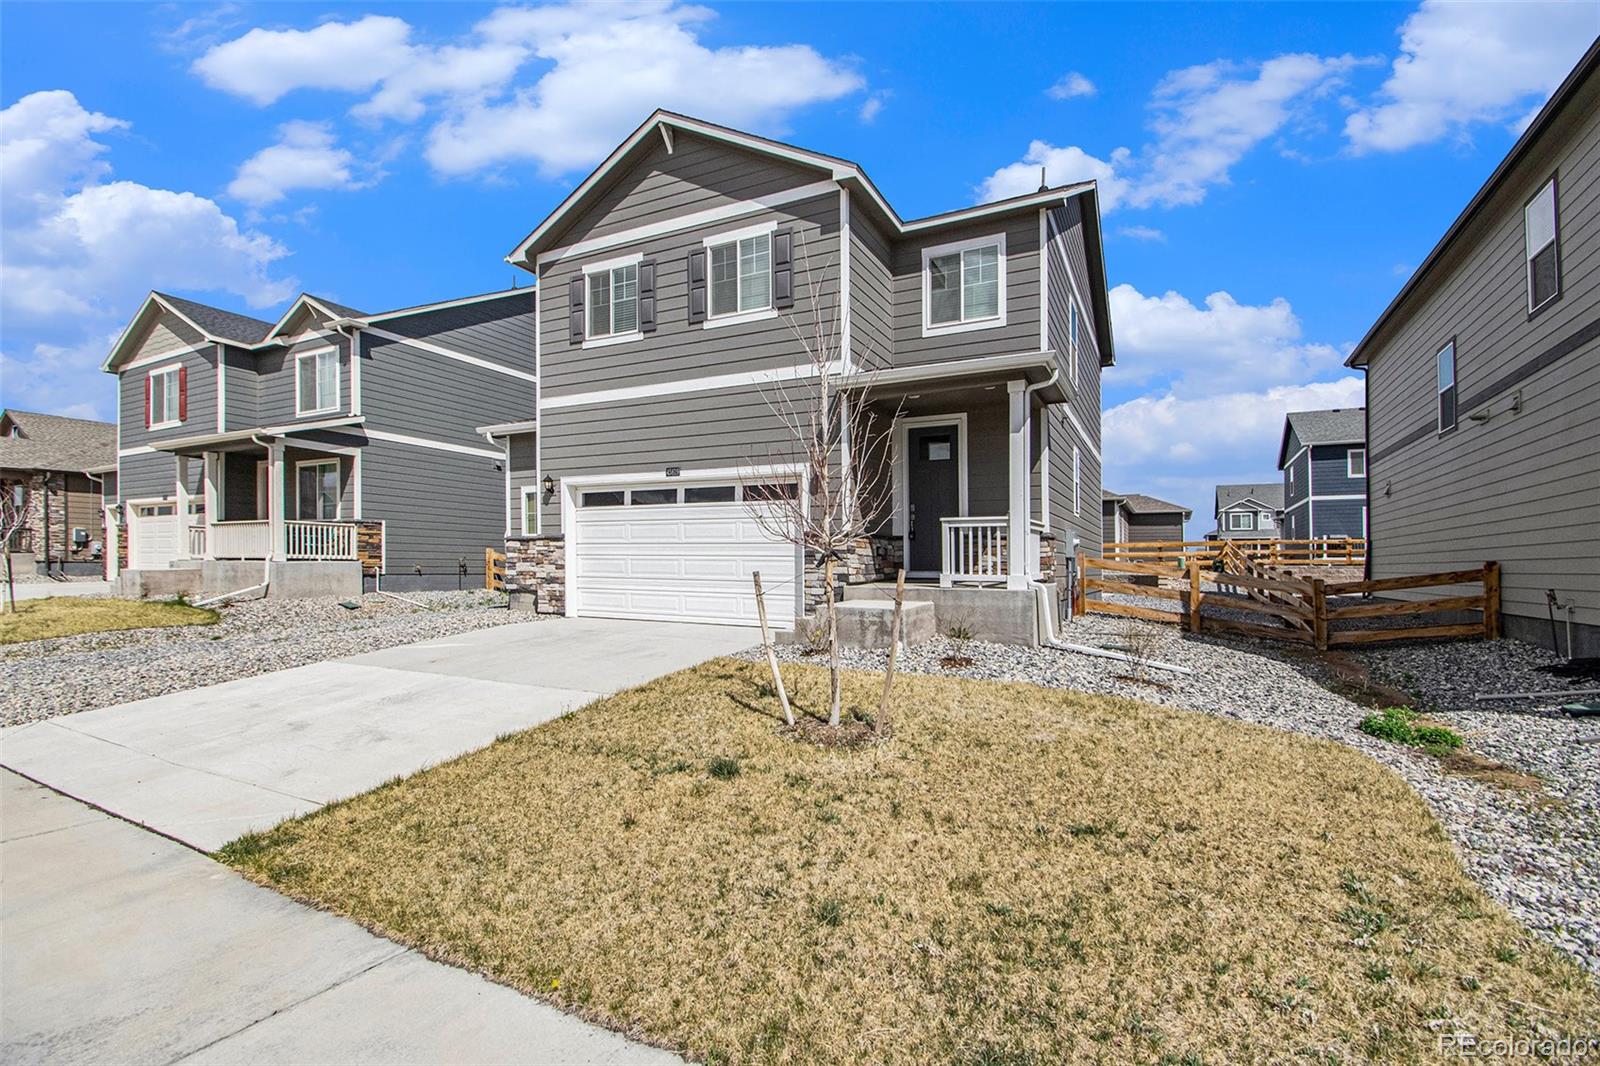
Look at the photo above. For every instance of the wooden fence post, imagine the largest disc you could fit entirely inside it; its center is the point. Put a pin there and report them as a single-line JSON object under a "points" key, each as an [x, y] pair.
{"points": [[488, 569], [1319, 613], [1194, 596], [1491, 602]]}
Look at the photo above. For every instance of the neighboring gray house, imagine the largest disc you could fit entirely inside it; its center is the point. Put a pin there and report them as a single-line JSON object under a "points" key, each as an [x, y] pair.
{"points": [[1482, 381], [338, 445], [1248, 511], [1136, 517], [1323, 457], [669, 279], [58, 467]]}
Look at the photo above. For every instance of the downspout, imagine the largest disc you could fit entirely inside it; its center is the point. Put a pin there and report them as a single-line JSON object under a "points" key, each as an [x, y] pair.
{"points": [[1043, 608]]}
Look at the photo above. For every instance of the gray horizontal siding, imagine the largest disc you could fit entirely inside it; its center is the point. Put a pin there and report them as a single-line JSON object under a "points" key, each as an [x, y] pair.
{"points": [[424, 394], [437, 507], [1336, 518], [1297, 478], [1330, 471], [241, 389], [1522, 489], [1082, 372], [500, 330], [871, 282], [522, 471], [1021, 330], [202, 405], [275, 368], [1147, 527]]}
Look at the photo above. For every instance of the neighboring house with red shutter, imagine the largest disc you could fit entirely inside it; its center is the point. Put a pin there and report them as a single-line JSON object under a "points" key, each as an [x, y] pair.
{"points": [[58, 467], [327, 448]]}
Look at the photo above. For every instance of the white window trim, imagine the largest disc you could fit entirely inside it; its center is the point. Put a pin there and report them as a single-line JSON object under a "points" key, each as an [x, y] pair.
{"points": [[1528, 254], [338, 496], [526, 491], [1350, 465], [1241, 514], [606, 266], [900, 475], [757, 314], [1438, 394], [1077, 481], [994, 321], [1264, 520], [338, 383], [175, 370]]}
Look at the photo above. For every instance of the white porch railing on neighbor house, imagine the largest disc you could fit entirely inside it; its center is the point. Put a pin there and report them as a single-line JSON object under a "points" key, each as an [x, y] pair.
{"points": [[321, 540], [197, 542], [241, 540], [974, 551]]}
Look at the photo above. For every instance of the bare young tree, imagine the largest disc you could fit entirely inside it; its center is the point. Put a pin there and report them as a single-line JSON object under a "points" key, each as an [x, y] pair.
{"points": [[13, 517], [834, 441]]}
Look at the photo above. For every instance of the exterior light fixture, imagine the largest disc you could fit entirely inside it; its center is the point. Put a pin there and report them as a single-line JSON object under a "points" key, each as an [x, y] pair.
{"points": [[549, 485]]}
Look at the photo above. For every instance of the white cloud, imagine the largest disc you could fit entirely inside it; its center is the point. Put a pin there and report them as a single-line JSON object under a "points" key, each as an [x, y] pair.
{"points": [[1071, 85], [81, 251], [871, 107], [1205, 119], [600, 70], [265, 65], [306, 156], [1142, 233], [1463, 64]]}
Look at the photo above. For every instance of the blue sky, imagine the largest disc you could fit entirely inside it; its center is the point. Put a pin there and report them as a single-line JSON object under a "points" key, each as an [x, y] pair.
{"points": [[1271, 173]]}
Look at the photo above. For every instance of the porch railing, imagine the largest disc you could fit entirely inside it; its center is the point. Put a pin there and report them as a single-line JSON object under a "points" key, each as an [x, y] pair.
{"points": [[975, 551], [197, 542], [321, 540]]}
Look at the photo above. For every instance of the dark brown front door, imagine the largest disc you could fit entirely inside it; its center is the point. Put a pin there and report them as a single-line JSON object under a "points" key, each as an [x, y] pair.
{"points": [[933, 489]]}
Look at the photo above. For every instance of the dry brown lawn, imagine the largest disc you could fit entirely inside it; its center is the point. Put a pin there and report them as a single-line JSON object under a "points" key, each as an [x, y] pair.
{"points": [[65, 616], [1019, 875]]}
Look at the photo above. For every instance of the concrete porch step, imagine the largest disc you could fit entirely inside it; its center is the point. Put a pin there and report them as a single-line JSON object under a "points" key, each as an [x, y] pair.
{"points": [[870, 623], [1005, 616]]}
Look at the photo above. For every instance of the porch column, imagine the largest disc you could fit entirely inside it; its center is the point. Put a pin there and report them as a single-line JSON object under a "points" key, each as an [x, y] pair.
{"points": [[181, 475], [213, 461], [1020, 480], [277, 521]]}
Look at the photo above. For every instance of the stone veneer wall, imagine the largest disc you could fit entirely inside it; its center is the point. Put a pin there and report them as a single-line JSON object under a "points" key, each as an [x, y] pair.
{"points": [[536, 573], [869, 559], [369, 544]]}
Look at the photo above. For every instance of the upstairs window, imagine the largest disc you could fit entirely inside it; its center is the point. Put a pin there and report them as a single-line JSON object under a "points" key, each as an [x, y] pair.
{"points": [[1265, 520], [1238, 520], [741, 275], [614, 301], [165, 397], [963, 284], [1356, 462], [1446, 362], [1544, 266], [316, 382]]}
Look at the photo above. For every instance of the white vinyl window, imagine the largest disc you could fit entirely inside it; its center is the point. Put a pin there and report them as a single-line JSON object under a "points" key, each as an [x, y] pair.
{"points": [[1446, 364], [1077, 482], [164, 403], [1241, 520], [1356, 462], [1072, 331], [1544, 266], [614, 301], [317, 491], [741, 274], [316, 382], [530, 509], [963, 285]]}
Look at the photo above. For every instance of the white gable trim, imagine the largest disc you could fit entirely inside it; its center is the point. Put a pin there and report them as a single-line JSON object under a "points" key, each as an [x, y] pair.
{"points": [[449, 353]]}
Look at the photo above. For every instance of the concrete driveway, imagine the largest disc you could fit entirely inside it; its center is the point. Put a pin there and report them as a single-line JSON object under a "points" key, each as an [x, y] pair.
{"points": [[206, 765]]}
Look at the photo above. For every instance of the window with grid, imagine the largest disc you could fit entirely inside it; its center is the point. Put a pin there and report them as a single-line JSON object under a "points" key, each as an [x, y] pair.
{"points": [[964, 286], [741, 275], [614, 301]]}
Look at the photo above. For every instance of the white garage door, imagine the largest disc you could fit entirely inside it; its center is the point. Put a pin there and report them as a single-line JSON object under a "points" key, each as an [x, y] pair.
{"points": [[152, 535], [678, 553]]}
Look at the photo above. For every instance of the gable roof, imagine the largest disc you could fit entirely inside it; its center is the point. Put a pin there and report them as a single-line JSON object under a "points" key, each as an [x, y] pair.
{"points": [[1341, 425], [849, 175], [215, 322], [54, 442], [1138, 503], [1266, 493], [1558, 102]]}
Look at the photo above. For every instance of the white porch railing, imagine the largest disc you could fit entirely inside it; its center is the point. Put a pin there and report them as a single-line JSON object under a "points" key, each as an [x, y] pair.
{"points": [[197, 542], [321, 540], [974, 551], [241, 540]]}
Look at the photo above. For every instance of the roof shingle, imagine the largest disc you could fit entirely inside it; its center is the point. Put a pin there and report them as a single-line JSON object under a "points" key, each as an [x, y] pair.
{"points": [[52, 442]]}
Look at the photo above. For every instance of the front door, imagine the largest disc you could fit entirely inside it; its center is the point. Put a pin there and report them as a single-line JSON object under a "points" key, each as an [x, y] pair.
{"points": [[933, 491]]}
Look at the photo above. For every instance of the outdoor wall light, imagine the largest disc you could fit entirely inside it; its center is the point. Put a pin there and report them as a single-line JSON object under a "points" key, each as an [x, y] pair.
{"points": [[549, 485]]}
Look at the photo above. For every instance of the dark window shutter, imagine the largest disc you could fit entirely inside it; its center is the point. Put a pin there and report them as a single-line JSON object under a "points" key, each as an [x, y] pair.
{"points": [[647, 296], [147, 401], [575, 293], [183, 394], [697, 285], [783, 269]]}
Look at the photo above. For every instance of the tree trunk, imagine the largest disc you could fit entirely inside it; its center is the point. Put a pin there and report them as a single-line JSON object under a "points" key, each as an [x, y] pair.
{"points": [[11, 579], [833, 640]]}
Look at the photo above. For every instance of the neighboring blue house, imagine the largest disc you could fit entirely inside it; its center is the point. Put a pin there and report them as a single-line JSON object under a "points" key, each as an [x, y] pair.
{"points": [[1324, 462]]}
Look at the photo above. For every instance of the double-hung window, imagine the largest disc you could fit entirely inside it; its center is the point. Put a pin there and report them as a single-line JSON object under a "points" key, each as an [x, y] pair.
{"points": [[164, 403], [614, 301], [316, 382], [1356, 462], [1543, 255], [741, 274], [1238, 520], [317, 491], [1445, 363], [963, 285]]}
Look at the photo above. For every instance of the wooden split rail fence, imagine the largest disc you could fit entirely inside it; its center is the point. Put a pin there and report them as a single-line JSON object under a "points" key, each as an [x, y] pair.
{"points": [[1292, 609], [494, 570], [1326, 551]]}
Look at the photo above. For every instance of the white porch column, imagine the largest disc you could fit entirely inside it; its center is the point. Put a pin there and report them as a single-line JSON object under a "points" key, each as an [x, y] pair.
{"points": [[213, 461], [1020, 482], [181, 475], [277, 521]]}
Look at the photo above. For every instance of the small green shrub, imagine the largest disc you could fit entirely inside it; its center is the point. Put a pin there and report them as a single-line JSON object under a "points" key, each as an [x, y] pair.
{"points": [[1398, 724], [723, 768]]}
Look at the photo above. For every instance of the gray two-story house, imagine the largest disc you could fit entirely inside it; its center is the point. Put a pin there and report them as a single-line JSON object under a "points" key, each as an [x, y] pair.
{"points": [[1482, 379], [672, 282], [1323, 456], [1247, 511], [318, 452]]}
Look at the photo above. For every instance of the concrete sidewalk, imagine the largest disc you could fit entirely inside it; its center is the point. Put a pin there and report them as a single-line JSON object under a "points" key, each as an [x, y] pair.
{"points": [[38, 590], [119, 946], [207, 765]]}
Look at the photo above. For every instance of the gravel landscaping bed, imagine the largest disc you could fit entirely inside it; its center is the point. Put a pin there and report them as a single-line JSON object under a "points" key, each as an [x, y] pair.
{"points": [[46, 678], [1536, 850]]}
